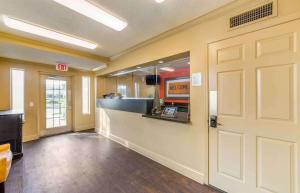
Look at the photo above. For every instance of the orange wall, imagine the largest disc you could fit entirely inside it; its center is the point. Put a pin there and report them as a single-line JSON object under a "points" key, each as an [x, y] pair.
{"points": [[184, 72]]}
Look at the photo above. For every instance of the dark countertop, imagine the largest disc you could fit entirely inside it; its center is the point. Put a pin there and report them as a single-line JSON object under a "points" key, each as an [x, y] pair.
{"points": [[139, 105], [10, 112], [181, 117]]}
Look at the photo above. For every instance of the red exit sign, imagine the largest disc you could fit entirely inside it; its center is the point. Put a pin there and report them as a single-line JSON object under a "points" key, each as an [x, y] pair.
{"points": [[62, 67]]}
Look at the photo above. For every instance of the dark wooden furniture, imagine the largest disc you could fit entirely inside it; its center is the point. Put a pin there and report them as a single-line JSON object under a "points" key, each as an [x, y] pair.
{"points": [[2, 188], [11, 131]]}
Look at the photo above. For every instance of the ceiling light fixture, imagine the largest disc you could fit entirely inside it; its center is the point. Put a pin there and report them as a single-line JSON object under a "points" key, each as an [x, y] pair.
{"points": [[47, 33], [161, 62], [96, 13], [159, 1], [98, 68], [167, 69]]}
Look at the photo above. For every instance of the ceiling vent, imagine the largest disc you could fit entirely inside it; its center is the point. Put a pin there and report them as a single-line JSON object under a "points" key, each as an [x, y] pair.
{"points": [[253, 15]]}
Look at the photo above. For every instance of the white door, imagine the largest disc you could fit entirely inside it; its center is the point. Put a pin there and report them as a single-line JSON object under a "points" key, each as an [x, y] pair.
{"points": [[255, 92]]}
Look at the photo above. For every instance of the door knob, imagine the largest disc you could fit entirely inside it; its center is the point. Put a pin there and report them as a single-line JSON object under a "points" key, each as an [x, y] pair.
{"points": [[214, 121]]}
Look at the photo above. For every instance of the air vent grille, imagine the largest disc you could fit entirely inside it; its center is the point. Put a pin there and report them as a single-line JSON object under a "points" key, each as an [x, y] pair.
{"points": [[252, 15]]}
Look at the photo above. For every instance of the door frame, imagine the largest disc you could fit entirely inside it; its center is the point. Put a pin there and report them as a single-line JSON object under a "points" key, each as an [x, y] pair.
{"points": [[40, 105]]}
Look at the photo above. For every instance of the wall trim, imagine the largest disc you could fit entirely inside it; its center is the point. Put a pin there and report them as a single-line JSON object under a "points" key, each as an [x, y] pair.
{"points": [[28, 138], [180, 168]]}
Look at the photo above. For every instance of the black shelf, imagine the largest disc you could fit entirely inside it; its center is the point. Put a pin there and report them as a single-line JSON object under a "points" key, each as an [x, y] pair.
{"points": [[181, 117]]}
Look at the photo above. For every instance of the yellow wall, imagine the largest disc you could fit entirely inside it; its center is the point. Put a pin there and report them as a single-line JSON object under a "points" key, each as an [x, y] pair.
{"points": [[32, 85], [5, 90], [82, 121], [107, 85], [182, 147]]}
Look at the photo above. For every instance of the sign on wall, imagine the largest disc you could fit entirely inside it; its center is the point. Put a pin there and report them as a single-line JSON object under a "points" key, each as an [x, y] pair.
{"points": [[62, 67], [178, 88], [197, 79]]}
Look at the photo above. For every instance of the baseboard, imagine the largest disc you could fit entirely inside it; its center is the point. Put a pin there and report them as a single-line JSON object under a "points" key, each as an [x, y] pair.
{"points": [[180, 168], [27, 138]]}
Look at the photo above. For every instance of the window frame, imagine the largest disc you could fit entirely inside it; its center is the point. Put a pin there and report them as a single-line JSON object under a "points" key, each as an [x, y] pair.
{"points": [[88, 78], [12, 93]]}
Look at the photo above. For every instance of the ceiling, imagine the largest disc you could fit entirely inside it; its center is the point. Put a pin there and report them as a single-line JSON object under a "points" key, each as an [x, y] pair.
{"points": [[39, 56], [145, 18]]}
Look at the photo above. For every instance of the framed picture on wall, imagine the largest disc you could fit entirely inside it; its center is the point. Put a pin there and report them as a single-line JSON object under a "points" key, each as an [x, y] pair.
{"points": [[177, 88]]}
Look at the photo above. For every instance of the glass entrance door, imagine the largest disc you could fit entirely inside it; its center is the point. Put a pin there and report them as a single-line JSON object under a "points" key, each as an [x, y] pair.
{"points": [[56, 110], [56, 103]]}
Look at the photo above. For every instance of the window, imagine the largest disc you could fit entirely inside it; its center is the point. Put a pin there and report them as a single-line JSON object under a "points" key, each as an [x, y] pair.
{"points": [[86, 95], [17, 89], [136, 90], [56, 103], [122, 90]]}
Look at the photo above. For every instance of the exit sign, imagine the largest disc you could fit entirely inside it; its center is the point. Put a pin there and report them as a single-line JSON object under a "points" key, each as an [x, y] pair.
{"points": [[62, 67]]}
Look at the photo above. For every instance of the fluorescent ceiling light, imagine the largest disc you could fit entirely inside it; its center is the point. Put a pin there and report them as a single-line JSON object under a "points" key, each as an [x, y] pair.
{"points": [[98, 68], [159, 1], [167, 69], [47, 33], [96, 13], [124, 72]]}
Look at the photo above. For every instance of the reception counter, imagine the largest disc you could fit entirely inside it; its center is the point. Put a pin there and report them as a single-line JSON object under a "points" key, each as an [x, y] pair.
{"points": [[139, 105]]}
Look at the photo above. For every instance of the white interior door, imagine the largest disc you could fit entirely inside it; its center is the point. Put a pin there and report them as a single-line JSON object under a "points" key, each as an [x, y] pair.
{"points": [[255, 91]]}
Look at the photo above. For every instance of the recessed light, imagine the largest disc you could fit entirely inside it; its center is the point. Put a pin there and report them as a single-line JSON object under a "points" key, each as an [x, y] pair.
{"points": [[159, 1], [160, 62], [47, 33], [96, 13], [168, 69], [138, 67]]}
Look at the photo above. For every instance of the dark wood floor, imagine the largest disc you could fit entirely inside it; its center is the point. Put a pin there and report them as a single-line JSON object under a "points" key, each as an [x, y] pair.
{"points": [[88, 163]]}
